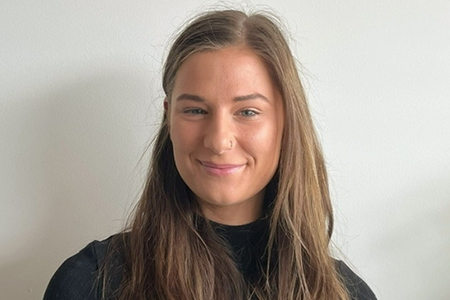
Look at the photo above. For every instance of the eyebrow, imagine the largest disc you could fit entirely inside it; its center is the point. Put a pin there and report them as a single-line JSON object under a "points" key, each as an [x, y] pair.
{"points": [[236, 99], [190, 97], [251, 97]]}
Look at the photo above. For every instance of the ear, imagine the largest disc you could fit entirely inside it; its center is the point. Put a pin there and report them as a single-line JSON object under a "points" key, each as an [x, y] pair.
{"points": [[166, 107]]}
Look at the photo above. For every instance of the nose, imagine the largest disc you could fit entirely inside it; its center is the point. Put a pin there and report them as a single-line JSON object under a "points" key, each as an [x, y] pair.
{"points": [[219, 137]]}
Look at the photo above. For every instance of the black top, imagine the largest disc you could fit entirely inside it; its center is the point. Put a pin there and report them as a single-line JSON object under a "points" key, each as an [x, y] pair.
{"points": [[77, 278]]}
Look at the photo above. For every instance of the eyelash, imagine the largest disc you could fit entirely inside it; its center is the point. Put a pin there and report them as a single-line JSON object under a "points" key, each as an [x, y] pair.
{"points": [[244, 112], [194, 111]]}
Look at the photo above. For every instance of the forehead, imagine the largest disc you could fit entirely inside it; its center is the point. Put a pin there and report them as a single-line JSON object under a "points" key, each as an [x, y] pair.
{"points": [[228, 70]]}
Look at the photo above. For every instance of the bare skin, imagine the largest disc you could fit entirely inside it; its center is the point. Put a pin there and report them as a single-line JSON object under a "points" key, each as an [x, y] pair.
{"points": [[226, 121]]}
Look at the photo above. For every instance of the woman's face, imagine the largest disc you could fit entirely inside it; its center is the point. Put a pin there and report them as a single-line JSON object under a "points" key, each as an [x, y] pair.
{"points": [[226, 122]]}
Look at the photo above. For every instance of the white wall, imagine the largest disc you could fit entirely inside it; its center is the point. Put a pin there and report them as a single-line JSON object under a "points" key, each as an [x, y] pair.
{"points": [[80, 95]]}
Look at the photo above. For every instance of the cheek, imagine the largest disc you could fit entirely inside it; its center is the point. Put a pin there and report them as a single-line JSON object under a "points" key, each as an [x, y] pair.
{"points": [[269, 134], [176, 136], [184, 137], [264, 142]]}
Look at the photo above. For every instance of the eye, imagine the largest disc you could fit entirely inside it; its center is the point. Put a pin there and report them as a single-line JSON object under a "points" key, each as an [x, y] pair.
{"points": [[194, 111], [248, 113]]}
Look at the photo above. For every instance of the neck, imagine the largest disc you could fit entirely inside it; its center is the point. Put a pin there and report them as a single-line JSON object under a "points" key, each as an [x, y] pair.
{"points": [[236, 214]]}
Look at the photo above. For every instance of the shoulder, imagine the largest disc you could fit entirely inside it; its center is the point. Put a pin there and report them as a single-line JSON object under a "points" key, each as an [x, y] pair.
{"points": [[357, 288], [77, 277]]}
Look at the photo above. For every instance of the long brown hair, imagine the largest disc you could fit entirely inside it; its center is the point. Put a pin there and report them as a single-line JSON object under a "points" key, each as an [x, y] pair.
{"points": [[172, 253]]}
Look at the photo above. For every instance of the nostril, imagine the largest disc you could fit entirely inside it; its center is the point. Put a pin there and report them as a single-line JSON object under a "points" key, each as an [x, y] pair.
{"points": [[218, 144]]}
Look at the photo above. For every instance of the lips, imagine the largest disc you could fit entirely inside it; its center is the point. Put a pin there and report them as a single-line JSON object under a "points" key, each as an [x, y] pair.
{"points": [[221, 169]]}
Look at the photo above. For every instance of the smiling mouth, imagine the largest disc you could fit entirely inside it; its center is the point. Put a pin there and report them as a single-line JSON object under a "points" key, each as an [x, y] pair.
{"points": [[221, 169]]}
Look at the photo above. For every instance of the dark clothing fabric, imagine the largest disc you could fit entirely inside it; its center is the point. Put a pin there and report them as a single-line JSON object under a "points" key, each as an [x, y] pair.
{"points": [[78, 277]]}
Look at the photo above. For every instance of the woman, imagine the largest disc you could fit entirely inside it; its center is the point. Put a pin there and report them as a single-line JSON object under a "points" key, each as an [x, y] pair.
{"points": [[236, 205]]}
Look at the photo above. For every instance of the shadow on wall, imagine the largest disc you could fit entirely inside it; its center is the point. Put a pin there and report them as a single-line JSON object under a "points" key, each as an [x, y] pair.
{"points": [[416, 251], [81, 150]]}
